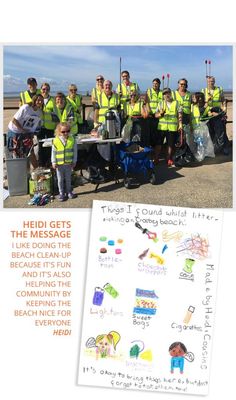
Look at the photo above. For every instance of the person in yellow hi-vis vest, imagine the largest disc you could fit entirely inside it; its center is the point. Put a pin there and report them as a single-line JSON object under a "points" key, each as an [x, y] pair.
{"points": [[97, 90], [169, 115], [76, 102], [64, 158], [214, 95], [48, 125], [183, 96], [198, 109], [26, 96], [138, 111], [106, 100], [217, 124], [64, 112], [152, 98], [125, 88]]}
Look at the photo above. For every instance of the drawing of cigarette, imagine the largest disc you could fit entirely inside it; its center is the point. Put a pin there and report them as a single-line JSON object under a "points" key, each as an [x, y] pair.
{"points": [[189, 314], [143, 254]]}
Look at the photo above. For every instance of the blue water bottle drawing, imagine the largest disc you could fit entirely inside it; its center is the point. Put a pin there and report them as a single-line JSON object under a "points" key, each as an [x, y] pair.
{"points": [[98, 296]]}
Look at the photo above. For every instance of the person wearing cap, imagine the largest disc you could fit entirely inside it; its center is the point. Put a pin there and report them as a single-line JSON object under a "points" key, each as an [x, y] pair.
{"points": [[97, 90], [169, 114], [126, 87], [75, 100], [26, 96], [64, 112], [183, 96]]}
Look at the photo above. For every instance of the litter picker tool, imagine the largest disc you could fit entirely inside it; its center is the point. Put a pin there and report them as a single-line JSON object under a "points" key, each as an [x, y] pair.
{"points": [[206, 69], [163, 81], [168, 79], [209, 64]]}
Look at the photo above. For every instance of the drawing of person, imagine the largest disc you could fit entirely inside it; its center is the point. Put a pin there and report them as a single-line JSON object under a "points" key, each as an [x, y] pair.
{"points": [[106, 343], [179, 353]]}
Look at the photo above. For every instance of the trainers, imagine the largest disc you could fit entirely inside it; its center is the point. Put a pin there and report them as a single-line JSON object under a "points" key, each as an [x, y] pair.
{"points": [[170, 163], [61, 197], [71, 195]]}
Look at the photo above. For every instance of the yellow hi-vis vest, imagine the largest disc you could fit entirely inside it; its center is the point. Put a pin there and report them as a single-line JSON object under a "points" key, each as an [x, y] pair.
{"points": [[77, 105], [95, 94], [106, 103], [47, 118], [68, 115], [135, 110], [153, 99], [125, 92], [215, 101], [64, 154], [25, 97], [169, 122], [196, 116], [185, 101]]}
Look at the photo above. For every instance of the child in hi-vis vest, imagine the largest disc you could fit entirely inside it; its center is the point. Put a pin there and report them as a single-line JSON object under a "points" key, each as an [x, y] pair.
{"points": [[64, 157]]}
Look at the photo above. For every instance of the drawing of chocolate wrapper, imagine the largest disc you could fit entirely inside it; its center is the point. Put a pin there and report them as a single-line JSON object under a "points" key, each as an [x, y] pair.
{"points": [[189, 262], [111, 290], [189, 314], [98, 296]]}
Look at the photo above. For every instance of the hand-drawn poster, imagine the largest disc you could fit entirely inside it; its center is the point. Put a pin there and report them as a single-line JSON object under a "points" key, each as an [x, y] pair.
{"points": [[150, 298]]}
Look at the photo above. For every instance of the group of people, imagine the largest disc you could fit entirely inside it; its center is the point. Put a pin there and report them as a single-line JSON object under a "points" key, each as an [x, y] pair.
{"points": [[159, 115]]}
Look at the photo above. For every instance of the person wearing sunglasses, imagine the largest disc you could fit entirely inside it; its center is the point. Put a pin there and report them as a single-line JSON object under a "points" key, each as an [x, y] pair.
{"points": [[75, 100], [64, 158], [97, 90], [126, 87], [183, 96], [26, 96]]}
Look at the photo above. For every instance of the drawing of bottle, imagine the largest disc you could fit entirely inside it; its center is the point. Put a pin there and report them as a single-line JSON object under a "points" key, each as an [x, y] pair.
{"points": [[98, 296], [111, 290], [189, 314]]}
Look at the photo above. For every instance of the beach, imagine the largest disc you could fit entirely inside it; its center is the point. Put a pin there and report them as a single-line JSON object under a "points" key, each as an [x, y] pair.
{"points": [[205, 185]]}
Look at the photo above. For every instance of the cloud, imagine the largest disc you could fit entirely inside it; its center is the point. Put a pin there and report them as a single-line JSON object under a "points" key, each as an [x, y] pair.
{"points": [[61, 65]]}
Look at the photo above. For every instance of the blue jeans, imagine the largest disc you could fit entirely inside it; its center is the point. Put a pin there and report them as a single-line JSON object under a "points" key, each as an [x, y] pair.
{"points": [[64, 178]]}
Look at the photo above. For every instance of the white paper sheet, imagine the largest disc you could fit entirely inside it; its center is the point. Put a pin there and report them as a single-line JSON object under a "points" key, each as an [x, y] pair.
{"points": [[150, 298]]}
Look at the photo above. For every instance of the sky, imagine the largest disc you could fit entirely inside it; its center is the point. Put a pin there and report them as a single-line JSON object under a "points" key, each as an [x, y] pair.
{"points": [[61, 65]]}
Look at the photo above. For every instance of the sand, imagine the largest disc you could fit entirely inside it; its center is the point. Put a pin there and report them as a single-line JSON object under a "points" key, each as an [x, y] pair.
{"points": [[206, 185]]}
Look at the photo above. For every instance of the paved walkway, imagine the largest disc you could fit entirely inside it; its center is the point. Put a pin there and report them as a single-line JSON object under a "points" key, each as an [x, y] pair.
{"points": [[206, 185]]}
